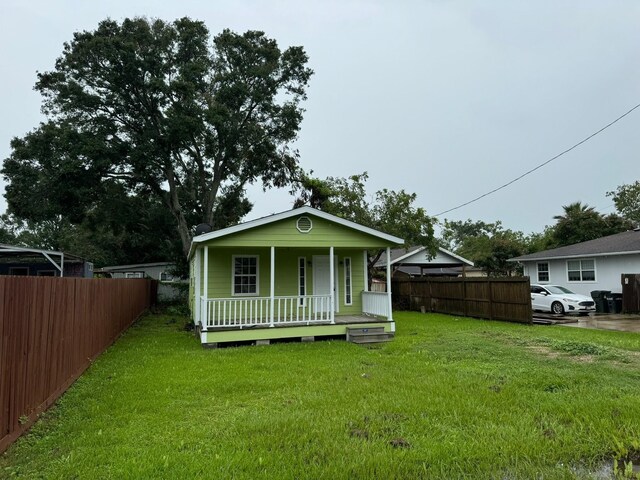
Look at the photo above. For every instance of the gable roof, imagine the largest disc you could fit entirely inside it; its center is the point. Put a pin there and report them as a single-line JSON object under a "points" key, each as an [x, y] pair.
{"points": [[625, 243], [289, 214], [414, 256]]}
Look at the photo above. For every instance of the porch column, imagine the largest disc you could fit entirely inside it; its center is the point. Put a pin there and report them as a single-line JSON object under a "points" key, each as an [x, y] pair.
{"points": [[332, 302], [272, 285], [390, 318], [62, 264], [197, 292], [205, 293], [366, 271]]}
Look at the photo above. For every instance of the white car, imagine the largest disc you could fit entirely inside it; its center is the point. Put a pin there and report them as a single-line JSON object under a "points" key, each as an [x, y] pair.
{"points": [[560, 300]]}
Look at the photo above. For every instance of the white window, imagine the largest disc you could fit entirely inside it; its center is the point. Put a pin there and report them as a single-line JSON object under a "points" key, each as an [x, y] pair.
{"points": [[302, 278], [543, 272], [133, 275], [245, 275], [347, 281], [581, 270]]}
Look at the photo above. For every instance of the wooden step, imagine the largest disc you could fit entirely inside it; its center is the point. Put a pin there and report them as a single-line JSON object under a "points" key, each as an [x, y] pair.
{"points": [[357, 330], [368, 335]]}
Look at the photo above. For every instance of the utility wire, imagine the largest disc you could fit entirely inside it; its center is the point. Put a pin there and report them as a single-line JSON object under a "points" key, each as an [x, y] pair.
{"points": [[539, 166]]}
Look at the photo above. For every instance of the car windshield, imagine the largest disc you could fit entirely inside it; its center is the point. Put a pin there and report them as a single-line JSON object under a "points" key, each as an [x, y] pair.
{"points": [[557, 289]]}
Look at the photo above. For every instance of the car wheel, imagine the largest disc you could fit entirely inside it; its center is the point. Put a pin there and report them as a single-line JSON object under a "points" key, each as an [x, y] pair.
{"points": [[557, 308]]}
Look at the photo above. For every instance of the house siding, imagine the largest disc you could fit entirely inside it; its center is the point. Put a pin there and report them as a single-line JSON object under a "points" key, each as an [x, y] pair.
{"points": [[608, 272], [286, 272], [285, 234]]}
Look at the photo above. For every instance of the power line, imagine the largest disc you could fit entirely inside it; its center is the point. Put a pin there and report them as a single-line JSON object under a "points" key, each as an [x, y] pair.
{"points": [[541, 165]]}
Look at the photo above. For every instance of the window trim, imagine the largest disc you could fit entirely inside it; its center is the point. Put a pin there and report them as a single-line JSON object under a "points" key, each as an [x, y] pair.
{"points": [[348, 289], [548, 272], [233, 275], [595, 275], [133, 274]]}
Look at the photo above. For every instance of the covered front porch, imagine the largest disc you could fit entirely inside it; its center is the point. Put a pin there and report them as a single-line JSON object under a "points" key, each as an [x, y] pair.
{"points": [[293, 273]]}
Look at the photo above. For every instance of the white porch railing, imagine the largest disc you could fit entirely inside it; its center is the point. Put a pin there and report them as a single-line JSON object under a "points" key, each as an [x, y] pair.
{"points": [[252, 311], [375, 303]]}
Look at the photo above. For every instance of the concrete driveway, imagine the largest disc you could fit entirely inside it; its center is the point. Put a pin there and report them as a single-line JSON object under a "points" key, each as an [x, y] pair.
{"points": [[615, 321]]}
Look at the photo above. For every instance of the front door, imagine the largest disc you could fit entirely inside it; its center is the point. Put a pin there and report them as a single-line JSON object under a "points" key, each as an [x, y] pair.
{"points": [[321, 282]]}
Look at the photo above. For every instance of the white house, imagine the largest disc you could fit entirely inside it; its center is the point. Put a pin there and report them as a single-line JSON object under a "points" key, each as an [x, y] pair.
{"points": [[584, 267]]}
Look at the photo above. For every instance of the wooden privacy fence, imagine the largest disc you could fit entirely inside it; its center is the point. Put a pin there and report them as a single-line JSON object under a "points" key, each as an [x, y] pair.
{"points": [[507, 299], [630, 293], [51, 329]]}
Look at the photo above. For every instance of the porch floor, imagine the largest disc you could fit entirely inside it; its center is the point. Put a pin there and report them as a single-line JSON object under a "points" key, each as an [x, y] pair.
{"points": [[339, 320], [230, 333]]}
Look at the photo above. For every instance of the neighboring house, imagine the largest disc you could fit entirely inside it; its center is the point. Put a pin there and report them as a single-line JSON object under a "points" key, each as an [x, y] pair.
{"points": [[296, 274], [24, 261], [413, 262], [157, 271], [584, 267]]}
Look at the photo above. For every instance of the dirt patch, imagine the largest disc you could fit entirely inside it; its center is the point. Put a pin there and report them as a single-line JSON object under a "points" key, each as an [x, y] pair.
{"points": [[543, 351]]}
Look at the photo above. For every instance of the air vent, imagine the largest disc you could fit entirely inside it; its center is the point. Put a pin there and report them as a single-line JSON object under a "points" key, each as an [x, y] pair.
{"points": [[304, 225]]}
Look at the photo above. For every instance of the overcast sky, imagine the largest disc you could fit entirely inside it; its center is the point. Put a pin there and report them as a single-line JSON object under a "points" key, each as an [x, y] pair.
{"points": [[447, 99]]}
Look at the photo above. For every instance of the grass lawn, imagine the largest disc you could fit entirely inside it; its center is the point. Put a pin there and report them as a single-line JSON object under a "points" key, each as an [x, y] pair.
{"points": [[448, 398]]}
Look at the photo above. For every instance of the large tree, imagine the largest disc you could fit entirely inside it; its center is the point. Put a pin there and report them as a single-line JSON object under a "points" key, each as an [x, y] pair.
{"points": [[161, 109]]}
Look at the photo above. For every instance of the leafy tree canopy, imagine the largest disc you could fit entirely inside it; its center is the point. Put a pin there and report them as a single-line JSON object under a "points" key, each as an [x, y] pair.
{"points": [[627, 201], [389, 211], [487, 245], [160, 110], [580, 223]]}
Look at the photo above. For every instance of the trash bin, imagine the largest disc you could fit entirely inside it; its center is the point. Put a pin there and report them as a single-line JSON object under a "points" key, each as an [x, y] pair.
{"points": [[600, 297], [617, 302]]}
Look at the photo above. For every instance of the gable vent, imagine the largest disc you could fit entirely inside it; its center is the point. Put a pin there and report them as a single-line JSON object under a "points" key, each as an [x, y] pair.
{"points": [[304, 225]]}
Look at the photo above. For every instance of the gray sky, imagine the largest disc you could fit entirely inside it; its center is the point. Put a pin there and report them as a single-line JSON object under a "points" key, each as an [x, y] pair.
{"points": [[448, 99]]}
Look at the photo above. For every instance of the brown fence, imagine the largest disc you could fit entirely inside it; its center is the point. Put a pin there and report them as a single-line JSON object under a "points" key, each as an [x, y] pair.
{"points": [[507, 299], [630, 293], [50, 331]]}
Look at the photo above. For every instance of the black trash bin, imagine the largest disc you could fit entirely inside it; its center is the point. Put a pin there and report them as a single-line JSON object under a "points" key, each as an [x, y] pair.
{"points": [[602, 302], [617, 302]]}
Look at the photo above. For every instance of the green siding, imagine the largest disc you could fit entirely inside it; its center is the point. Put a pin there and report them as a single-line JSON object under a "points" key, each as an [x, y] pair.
{"points": [[288, 332], [220, 280], [285, 234]]}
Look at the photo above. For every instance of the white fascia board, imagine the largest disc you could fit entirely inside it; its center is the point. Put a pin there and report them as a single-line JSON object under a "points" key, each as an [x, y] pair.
{"points": [[582, 255], [288, 214], [13, 249], [457, 257]]}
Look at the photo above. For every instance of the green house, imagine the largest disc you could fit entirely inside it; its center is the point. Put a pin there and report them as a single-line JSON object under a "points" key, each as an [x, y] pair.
{"points": [[296, 274]]}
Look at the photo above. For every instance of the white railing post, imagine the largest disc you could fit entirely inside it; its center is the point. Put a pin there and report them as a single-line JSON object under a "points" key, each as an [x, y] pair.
{"points": [[272, 284], [332, 286], [197, 293], [389, 316], [205, 293], [366, 271]]}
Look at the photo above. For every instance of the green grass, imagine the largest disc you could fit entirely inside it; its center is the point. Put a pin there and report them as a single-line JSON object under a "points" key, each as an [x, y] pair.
{"points": [[448, 398]]}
